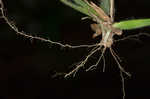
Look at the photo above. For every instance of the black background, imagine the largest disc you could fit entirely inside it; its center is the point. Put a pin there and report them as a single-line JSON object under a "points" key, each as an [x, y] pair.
{"points": [[26, 67]]}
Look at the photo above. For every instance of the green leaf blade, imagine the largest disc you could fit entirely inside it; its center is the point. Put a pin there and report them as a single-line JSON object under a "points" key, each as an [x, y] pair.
{"points": [[105, 5], [79, 5], [132, 24]]}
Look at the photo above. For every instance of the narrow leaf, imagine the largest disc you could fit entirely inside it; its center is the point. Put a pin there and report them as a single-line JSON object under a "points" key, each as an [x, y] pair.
{"points": [[78, 5], [82, 6], [81, 3], [105, 5], [132, 24]]}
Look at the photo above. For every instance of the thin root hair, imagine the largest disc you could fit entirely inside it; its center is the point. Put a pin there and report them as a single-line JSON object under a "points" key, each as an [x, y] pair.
{"points": [[100, 57], [82, 63], [104, 63], [123, 84], [119, 66], [133, 37]]}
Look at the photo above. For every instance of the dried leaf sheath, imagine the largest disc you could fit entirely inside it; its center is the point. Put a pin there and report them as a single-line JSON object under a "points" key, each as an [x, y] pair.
{"points": [[112, 10], [96, 29], [101, 14]]}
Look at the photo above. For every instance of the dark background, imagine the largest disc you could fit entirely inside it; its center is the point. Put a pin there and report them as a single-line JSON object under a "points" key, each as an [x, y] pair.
{"points": [[27, 68]]}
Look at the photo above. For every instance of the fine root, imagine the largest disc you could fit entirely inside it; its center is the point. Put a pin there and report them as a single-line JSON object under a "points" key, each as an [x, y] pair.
{"points": [[13, 27], [100, 57], [119, 66], [104, 63], [82, 63], [132, 37], [123, 84], [115, 56]]}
